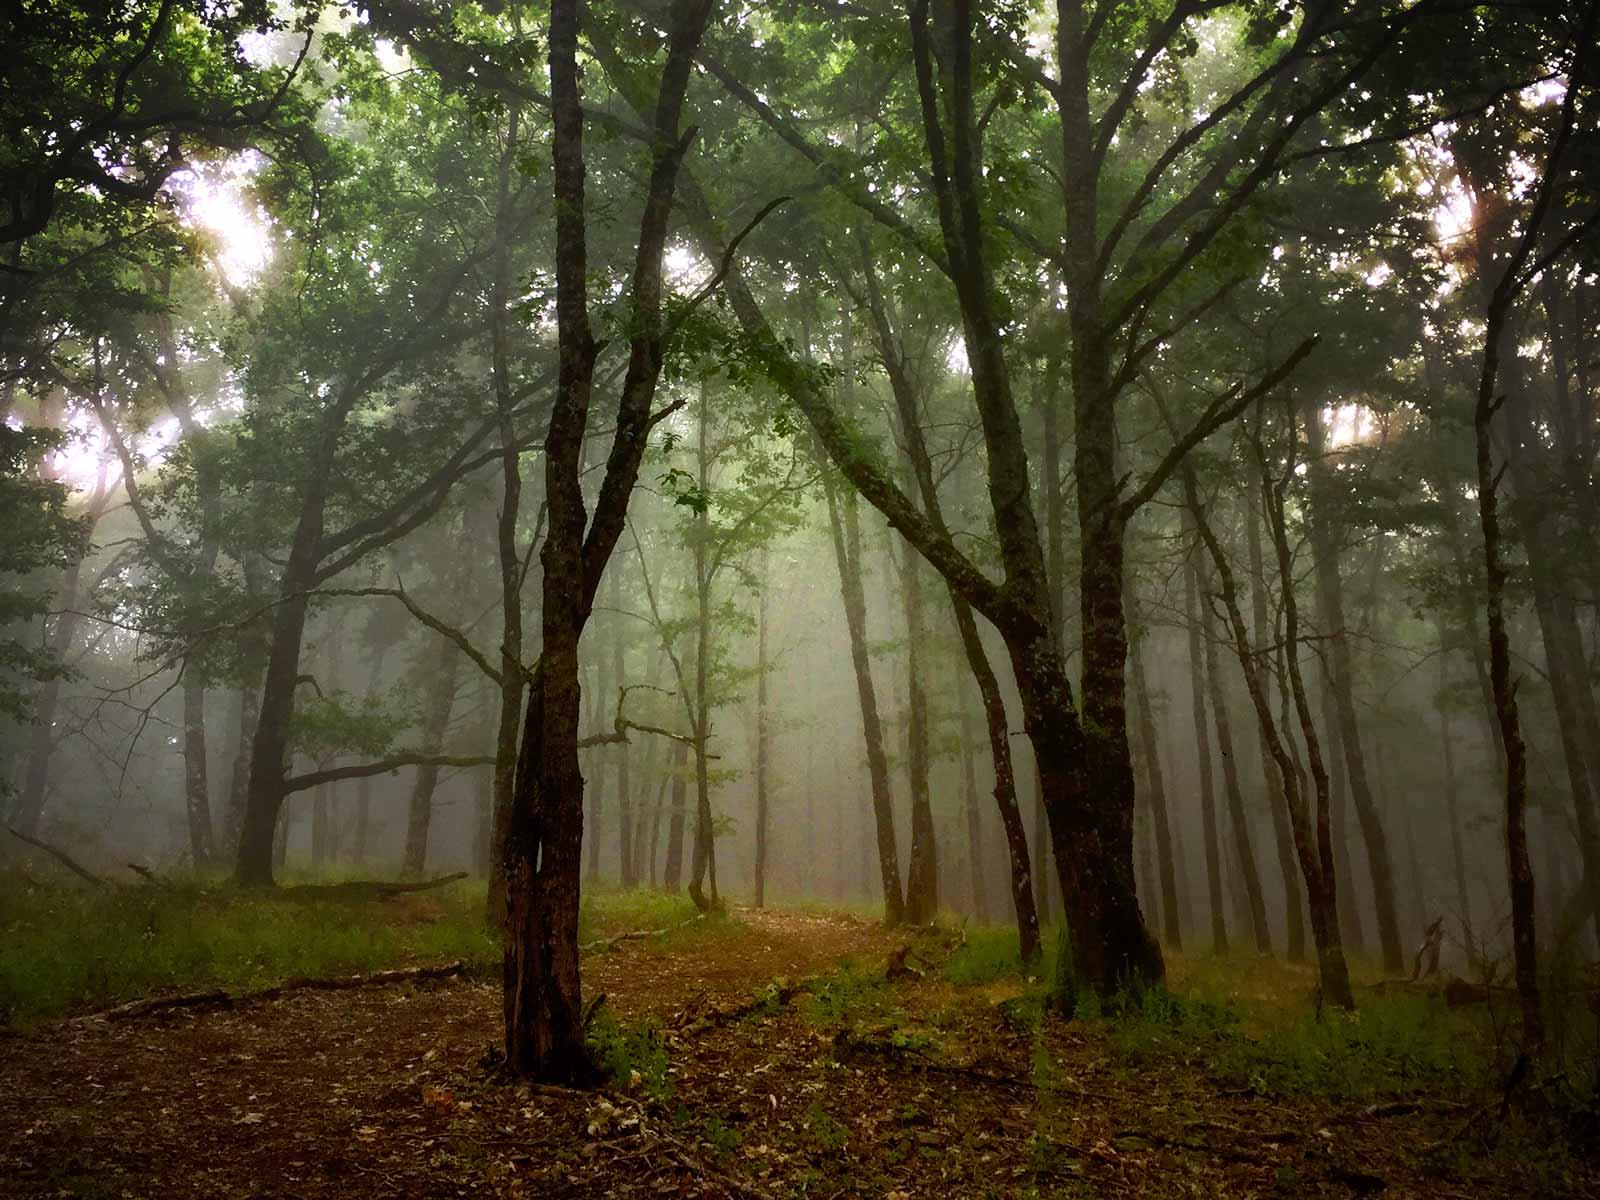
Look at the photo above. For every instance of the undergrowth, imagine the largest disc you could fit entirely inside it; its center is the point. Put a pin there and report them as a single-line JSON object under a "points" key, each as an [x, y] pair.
{"points": [[1252, 1023], [67, 948], [632, 1057]]}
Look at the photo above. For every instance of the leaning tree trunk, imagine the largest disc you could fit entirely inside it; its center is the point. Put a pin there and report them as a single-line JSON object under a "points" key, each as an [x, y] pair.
{"points": [[1312, 838], [845, 526], [1323, 898], [846, 529], [997, 723], [1264, 632], [269, 748], [1245, 853]]}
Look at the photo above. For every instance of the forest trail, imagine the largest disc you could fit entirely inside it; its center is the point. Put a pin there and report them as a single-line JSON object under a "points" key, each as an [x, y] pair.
{"points": [[774, 1071]]}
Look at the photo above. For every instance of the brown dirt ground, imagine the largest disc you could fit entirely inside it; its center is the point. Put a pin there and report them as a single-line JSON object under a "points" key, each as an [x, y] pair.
{"points": [[381, 1093]]}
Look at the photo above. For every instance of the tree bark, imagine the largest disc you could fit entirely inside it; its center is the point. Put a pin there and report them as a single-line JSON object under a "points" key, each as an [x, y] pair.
{"points": [[763, 748], [703, 863], [969, 803], [442, 671], [1159, 819], [627, 872], [672, 871], [1192, 584], [922, 868], [544, 1037]]}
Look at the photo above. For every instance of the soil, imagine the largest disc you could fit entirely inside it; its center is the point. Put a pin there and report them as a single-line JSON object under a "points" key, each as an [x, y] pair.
{"points": [[391, 1092]]}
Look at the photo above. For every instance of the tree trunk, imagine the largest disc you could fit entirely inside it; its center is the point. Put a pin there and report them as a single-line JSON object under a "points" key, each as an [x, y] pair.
{"points": [[704, 862], [508, 555], [1264, 633], [996, 722], [442, 672], [969, 802], [270, 747], [1244, 852], [1159, 819], [1350, 922], [1330, 603], [1458, 857], [1193, 582], [1519, 868], [762, 747], [672, 872], [922, 869], [845, 526], [42, 738], [626, 871], [197, 789], [1322, 886], [1055, 534]]}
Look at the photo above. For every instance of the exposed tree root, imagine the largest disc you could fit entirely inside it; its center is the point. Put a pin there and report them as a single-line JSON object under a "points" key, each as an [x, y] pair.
{"points": [[223, 999]]}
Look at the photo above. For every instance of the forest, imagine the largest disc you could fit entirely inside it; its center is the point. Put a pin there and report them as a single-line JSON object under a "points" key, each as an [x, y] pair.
{"points": [[872, 598]]}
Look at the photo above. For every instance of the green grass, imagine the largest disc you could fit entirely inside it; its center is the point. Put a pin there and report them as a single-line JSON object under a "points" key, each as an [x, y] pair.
{"points": [[65, 948], [854, 992], [633, 1057], [1253, 1023]]}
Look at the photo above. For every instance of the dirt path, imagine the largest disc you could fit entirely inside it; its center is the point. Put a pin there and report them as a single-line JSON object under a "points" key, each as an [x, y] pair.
{"points": [[854, 1087]]}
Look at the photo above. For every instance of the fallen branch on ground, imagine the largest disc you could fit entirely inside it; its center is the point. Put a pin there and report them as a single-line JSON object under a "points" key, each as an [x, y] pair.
{"points": [[637, 935], [61, 856], [363, 889], [223, 999]]}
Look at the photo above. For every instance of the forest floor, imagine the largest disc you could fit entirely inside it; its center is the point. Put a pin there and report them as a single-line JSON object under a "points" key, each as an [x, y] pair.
{"points": [[768, 1054]]}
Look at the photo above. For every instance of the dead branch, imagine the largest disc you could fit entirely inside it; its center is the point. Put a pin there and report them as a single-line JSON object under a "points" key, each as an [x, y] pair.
{"points": [[311, 779], [224, 999], [363, 889], [61, 856], [636, 935], [691, 1019]]}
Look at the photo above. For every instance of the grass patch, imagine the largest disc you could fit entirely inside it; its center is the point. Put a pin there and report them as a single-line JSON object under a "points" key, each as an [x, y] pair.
{"points": [[633, 1058], [65, 949], [1391, 1045], [990, 952], [606, 912], [854, 992]]}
